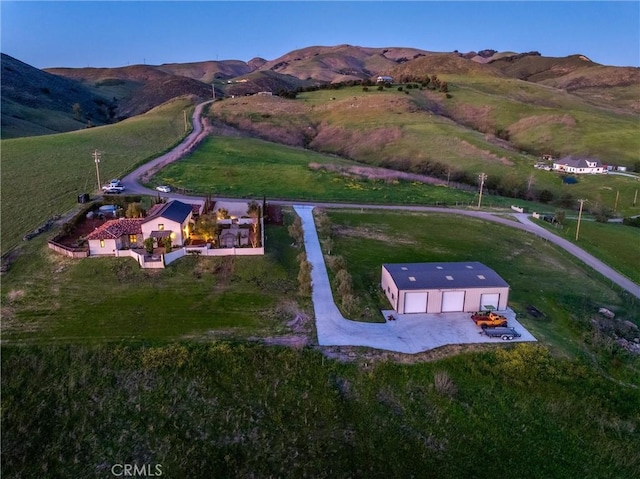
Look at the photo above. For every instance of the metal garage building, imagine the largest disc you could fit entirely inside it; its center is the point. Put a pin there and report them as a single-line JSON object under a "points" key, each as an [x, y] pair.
{"points": [[443, 287]]}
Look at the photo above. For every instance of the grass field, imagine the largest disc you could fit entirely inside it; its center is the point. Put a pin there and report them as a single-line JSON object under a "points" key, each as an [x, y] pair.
{"points": [[178, 384], [245, 167], [51, 298], [234, 410], [539, 274], [43, 176], [615, 244]]}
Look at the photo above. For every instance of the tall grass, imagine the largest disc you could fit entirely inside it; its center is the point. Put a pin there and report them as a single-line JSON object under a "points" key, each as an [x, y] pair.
{"points": [[242, 410]]}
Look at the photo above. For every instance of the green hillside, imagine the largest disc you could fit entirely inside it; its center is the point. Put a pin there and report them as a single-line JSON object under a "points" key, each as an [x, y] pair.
{"points": [[42, 176], [493, 125]]}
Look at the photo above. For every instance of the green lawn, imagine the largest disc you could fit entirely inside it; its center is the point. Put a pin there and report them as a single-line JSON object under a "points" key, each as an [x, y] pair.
{"points": [[47, 297], [42, 176]]}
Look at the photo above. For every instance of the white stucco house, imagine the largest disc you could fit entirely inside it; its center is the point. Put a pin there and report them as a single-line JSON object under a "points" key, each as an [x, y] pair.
{"points": [[578, 166], [443, 287], [171, 219]]}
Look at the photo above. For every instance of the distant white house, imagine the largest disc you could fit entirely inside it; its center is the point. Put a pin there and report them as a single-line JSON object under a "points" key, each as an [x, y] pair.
{"points": [[578, 166], [384, 79]]}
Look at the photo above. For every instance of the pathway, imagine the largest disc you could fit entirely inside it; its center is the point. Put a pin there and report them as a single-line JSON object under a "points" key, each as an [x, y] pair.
{"points": [[408, 334]]}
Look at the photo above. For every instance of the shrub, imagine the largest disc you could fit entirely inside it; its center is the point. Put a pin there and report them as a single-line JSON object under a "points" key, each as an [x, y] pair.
{"points": [[443, 384], [635, 222], [148, 245]]}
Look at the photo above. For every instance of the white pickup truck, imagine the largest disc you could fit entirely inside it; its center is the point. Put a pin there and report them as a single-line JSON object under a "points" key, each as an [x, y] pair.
{"points": [[113, 186]]}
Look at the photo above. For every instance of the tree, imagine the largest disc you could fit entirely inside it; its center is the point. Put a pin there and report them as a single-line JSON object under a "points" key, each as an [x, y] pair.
{"points": [[254, 209], [304, 275], [134, 210], [148, 245], [166, 242], [77, 111], [560, 216], [296, 231], [222, 213], [206, 226]]}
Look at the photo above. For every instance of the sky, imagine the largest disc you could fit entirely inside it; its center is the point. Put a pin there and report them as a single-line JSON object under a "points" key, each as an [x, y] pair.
{"points": [[119, 33]]}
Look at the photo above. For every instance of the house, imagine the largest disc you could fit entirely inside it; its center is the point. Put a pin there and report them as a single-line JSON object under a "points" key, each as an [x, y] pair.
{"points": [[384, 79], [578, 166], [443, 287], [171, 219], [114, 235]]}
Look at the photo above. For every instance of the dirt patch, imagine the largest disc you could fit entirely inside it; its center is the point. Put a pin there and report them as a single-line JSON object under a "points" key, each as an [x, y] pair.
{"points": [[295, 342], [368, 357], [372, 233], [375, 173]]}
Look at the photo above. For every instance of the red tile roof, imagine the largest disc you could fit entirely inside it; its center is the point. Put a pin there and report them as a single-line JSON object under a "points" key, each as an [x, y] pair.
{"points": [[115, 229]]}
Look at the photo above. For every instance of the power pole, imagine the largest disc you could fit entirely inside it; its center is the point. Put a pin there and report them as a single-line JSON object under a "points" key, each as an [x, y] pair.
{"points": [[579, 218], [635, 198], [186, 126], [615, 207], [213, 92], [482, 178], [96, 159]]}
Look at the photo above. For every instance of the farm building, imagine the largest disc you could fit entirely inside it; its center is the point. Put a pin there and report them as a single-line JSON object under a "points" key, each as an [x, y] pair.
{"points": [[573, 165], [443, 287]]}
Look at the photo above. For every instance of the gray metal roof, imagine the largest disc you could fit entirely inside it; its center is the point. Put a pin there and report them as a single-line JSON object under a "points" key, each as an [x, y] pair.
{"points": [[174, 210], [467, 274]]}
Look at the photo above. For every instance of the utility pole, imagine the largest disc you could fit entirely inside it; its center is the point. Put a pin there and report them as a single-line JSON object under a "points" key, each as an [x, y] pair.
{"points": [[482, 178], [213, 92], [579, 218], [635, 198], [96, 159], [615, 207], [186, 126]]}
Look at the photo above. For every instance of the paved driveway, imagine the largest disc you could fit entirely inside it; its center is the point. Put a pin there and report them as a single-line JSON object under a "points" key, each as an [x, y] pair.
{"points": [[412, 333]]}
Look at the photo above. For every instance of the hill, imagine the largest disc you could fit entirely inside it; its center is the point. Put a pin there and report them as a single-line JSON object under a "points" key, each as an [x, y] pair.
{"points": [[138, 88], [35, 102]]}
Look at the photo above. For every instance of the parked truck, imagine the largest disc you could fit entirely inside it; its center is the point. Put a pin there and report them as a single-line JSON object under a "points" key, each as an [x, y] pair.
{"points": [[489, 319], [506, 334]]}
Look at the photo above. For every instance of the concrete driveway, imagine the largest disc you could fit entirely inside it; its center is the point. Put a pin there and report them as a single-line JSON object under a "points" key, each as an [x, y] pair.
{"points": [[410, 333]]}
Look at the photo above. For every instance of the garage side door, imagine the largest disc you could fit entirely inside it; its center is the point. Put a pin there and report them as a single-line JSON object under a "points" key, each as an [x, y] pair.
{"points": [[415, 302], [489, 301], [452, 301]]}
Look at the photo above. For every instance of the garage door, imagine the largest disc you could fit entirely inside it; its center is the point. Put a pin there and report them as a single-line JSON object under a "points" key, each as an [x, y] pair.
{"points": [[452, 301], [415, 302], [489, 301]]}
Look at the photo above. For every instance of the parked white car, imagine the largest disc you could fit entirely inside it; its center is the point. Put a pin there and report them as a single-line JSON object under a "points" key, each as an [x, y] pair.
{"points": [[163, 188]]}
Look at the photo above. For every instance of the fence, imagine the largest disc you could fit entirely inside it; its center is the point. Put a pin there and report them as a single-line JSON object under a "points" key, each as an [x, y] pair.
{"points": [[67, 251]]}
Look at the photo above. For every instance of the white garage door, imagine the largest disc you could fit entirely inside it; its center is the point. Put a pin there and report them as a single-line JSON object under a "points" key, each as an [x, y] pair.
{"points": [[415, 302], [452, 301], [489, 301]]}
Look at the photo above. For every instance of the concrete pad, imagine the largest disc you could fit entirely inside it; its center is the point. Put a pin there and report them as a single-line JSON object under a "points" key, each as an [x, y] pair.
{"points": [[410, 333]]}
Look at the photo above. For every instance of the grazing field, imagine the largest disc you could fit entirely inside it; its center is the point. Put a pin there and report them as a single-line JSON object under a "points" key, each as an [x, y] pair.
{"points": [[42, 176], [224, 409], [246, 167]]}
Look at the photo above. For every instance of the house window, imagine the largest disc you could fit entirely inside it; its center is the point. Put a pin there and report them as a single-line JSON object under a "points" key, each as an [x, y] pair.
{"points": [[101, 243], [160, 226], [133, 238]]}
